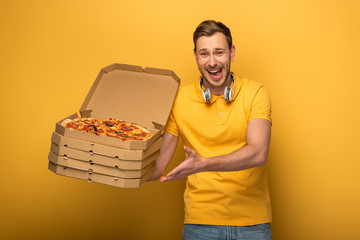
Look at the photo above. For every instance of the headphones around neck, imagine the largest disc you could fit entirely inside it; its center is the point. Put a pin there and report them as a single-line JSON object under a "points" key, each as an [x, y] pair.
{"points": [[228, 92]]}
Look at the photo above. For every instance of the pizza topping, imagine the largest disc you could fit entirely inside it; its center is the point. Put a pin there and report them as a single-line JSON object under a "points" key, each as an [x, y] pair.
{"points": [[126, 128], [87, 128], [109, 123], [73, 125], [109, 127], [122, 135], [110, 130], [140, 134]]}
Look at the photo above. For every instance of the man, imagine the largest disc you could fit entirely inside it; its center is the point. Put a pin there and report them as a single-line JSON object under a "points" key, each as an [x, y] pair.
{"points": [[225, 124]]}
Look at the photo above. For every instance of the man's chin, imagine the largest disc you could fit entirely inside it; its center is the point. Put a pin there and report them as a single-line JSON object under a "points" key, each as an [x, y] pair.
{"points": [[214, 82]]}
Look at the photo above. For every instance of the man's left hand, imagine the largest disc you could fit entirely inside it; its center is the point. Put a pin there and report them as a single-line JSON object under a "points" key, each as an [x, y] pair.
{"points": [[192, 164]]}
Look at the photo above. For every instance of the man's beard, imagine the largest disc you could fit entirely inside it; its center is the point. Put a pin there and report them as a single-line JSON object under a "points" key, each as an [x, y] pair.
{"points": [[226, 77]]}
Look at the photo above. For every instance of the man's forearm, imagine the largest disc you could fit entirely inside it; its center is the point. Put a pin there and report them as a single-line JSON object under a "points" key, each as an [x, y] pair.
{"points": [[253, 154], [167, 150], [246, 157]]}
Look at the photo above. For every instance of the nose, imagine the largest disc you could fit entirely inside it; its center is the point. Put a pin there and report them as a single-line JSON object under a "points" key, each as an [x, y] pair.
{"points": [[212, 61]]}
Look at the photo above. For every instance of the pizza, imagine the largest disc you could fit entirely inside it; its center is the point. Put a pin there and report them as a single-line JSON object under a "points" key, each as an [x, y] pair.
{"points": [[123, 130]]}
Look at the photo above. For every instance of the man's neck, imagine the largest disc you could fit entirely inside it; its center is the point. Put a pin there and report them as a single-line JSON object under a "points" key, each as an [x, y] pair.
{"points": [[217, 91]]}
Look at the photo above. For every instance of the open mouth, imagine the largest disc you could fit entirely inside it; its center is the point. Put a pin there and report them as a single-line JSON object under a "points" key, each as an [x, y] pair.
{"points": [[215, 74]]}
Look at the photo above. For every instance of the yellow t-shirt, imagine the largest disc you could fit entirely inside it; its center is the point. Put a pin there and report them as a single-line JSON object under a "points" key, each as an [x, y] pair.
{"points": [[236, 198]]}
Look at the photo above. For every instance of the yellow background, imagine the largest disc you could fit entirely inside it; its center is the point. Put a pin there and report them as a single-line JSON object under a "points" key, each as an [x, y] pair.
{"points": [[306, 53]]}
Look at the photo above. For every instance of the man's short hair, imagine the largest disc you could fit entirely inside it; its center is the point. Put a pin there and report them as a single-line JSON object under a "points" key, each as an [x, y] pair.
{"points": [[209, 28]]}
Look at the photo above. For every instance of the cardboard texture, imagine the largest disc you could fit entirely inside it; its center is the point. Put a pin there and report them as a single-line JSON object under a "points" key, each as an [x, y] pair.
{"points": [[131, 93], [100, 149], [100, 178], [96, 168], [102, 160]]}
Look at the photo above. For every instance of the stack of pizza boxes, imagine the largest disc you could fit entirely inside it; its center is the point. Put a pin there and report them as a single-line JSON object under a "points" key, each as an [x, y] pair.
{"points": [[130, 93]]}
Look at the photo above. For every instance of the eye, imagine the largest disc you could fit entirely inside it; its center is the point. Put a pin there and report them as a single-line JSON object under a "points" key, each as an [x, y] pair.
{"points": [[219, 53], [203, 54]]}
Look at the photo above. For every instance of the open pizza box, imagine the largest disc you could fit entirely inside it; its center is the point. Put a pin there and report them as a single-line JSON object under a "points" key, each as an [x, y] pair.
{"points": [[130, 93], [125, 92]]}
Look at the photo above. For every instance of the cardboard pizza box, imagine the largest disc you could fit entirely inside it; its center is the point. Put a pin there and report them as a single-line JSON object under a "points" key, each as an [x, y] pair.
{"points": [[131, 93], [97, 168], [100, 149], [100, 178], [90, 158]]}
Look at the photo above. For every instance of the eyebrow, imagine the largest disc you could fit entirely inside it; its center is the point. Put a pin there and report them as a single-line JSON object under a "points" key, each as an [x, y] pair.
{"points": [[216, 49]]}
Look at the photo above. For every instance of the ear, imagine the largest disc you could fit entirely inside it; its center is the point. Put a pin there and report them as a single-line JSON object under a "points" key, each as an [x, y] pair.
{"points": [[232, 53], [195, 55]]}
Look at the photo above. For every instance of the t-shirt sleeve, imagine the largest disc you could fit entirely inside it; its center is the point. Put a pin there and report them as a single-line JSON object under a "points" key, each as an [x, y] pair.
{"points": [[261, 105], [171, 126]]}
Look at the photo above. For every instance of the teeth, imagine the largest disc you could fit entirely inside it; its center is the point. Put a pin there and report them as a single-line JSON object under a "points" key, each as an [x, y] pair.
{"points": [[214, 71]]}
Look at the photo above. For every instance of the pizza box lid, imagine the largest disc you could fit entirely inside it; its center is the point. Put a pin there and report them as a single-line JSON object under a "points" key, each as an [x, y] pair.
{"points": [[100, 178], [132, 93], [96, 149]]}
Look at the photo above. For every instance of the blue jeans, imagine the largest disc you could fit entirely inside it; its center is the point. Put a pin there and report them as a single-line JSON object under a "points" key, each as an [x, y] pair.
{"points": [[214, 232]]}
